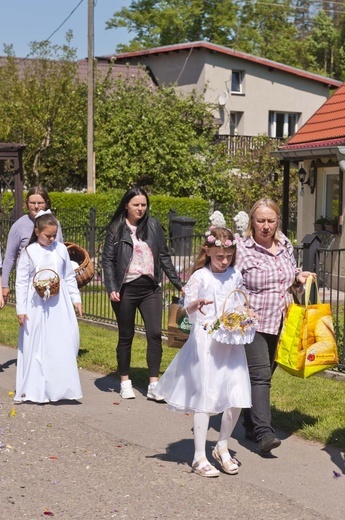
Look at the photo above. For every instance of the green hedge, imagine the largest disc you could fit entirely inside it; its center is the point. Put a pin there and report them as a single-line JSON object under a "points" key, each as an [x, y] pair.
{"points": [[74, 208]]}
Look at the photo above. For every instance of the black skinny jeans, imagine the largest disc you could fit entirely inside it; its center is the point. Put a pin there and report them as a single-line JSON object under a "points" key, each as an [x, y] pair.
{"points": [[144, 295], [260, 356]]}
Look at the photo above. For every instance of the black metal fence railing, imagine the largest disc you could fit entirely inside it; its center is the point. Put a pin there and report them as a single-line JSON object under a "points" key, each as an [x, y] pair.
{"points": [[328, 264]]}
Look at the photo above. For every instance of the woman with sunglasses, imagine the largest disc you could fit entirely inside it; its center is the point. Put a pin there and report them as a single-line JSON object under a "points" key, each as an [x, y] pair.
{"points": [[37, 199]]}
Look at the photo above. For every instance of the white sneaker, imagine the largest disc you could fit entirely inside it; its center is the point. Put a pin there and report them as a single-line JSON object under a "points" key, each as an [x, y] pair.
{"points": [[126, 391], [152, 395]]}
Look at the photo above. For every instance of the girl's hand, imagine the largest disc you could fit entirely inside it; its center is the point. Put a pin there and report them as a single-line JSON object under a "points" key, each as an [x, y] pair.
{"points": [[22, 318], [79, 309], [114, 296], [303, 275], [198, 305], [5, 293], [2, 302]]}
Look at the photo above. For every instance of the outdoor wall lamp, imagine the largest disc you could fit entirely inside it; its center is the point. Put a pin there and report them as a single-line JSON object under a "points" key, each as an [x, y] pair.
{"points": [[309, 179], [302, 176]]}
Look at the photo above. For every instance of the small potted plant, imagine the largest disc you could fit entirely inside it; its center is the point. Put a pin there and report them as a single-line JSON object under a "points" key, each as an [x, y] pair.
{"points": [[319, 224], [331, 225]]}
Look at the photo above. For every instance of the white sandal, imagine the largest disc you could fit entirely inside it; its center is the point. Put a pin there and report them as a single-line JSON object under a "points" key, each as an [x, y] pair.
{"points": [[229, 466], [203, 468]]}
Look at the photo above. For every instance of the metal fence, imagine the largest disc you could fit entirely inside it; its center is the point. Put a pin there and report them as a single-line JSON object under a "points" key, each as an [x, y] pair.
{"points": [[96, 305]]}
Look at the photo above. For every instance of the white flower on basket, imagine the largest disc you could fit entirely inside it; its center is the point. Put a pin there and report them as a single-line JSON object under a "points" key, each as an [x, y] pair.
{"points": [[46, 287]]}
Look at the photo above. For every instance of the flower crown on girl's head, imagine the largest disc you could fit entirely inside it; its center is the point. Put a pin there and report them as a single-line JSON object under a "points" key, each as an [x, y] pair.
{"points": [[211, 239]]}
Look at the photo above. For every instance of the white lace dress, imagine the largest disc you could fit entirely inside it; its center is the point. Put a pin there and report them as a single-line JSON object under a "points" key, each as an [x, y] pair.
{"points": [[205, 375], [49, 340]]}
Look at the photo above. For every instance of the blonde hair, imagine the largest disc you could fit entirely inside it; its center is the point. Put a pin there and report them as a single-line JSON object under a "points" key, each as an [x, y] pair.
{"points": [[219, 233], [268, 203]]}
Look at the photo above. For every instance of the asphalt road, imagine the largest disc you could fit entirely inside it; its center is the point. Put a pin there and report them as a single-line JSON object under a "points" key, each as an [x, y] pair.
{"points": [[105, 457]]}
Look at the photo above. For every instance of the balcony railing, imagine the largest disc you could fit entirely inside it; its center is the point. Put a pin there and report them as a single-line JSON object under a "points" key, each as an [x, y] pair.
{"points": [[242, 144]]}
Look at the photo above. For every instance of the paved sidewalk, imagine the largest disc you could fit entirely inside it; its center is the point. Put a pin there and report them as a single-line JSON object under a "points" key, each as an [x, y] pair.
{"points": [[108, 458]]}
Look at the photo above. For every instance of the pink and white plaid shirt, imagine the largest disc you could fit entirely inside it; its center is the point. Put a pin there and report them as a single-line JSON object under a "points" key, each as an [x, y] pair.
{"points": [[267, 279]]}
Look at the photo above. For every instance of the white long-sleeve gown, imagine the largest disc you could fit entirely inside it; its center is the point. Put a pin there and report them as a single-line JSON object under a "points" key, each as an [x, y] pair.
{"points": [[205, 375], [49, 340]]}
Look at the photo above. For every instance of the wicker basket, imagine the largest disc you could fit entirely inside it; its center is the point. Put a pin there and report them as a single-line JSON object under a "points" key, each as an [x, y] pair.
{"points": [[85, 270], [46, 285], [234, 327]]}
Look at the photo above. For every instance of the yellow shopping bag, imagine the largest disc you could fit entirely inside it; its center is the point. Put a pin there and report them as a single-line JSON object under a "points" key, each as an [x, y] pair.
{"points": [[307, 344]]}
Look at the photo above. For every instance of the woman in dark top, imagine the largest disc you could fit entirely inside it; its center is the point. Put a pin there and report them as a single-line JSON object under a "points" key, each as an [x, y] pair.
{"points": [[134, 253]]}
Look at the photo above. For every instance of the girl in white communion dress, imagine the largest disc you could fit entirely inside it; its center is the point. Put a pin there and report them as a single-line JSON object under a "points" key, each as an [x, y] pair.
{"points": [[208, 376], [49, 336]]}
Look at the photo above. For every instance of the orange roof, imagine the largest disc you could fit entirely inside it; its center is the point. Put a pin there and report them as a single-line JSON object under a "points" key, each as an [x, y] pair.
{"points": [[326, 125]]}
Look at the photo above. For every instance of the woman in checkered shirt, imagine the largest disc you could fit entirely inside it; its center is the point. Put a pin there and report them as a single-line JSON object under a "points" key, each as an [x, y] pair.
{"points": [[266, 260]]}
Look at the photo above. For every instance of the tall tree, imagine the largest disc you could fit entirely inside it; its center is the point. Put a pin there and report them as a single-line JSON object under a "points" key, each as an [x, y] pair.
{"points": [[267, 29], [322, 45], [161, 22], [44, 106], [156, 137], [280, 30]]}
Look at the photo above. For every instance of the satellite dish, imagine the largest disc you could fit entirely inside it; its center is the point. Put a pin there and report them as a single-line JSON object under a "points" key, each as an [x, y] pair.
{"points": [[222, 98]]}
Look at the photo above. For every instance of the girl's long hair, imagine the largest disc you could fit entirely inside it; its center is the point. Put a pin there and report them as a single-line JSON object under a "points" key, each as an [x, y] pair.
{"points": [[219, 233], [41, 223], [118, 220]]}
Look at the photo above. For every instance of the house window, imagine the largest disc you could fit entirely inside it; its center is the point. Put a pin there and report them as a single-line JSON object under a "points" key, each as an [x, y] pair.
{"points": [[282, 124], [237, 81], [235, 118], [331, 201]]}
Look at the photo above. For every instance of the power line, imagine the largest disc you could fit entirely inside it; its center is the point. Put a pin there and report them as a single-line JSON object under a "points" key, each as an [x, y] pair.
{"points": [[56, 30], [297, 8], [65, 20]]}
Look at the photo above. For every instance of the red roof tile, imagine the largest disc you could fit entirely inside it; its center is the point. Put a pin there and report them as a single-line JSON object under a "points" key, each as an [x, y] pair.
{"points": [[328, 122]]}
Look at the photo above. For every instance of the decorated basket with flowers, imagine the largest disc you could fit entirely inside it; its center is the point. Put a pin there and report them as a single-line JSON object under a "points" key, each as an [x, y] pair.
{"points": [[234, 326], [46, 283]]}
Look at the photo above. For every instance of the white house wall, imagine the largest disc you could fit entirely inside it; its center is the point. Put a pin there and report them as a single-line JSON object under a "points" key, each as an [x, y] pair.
{"points": [[264, 89]]}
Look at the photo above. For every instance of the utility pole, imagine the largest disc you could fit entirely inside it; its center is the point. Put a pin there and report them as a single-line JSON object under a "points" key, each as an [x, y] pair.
{"points": [[91, 181]]}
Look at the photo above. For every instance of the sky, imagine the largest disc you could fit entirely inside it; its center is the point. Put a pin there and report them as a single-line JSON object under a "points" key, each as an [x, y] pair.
{"points": [[24, 21]]}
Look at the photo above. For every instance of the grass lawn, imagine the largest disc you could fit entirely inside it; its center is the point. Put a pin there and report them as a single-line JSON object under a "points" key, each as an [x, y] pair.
{"points": [[312, 408]]}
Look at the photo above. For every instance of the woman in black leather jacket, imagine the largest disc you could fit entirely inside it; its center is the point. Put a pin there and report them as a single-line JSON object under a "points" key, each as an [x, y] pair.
{"points": [[134, 253]]}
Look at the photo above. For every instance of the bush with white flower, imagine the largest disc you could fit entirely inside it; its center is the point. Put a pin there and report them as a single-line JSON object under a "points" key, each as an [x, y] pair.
{"points": [[217, 219], [241, 222]]}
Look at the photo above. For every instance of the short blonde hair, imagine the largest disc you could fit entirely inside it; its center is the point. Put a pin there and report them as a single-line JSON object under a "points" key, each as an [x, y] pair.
{"points": [[268, 203]]}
